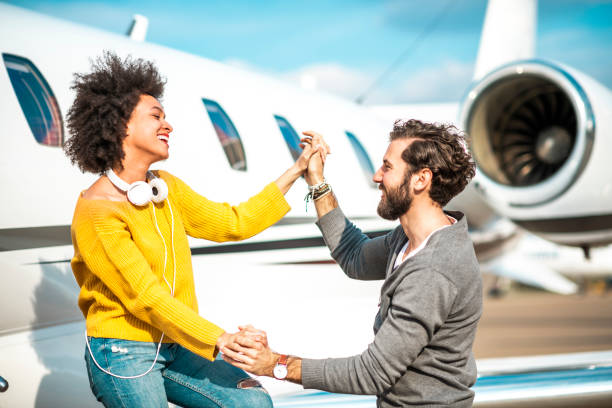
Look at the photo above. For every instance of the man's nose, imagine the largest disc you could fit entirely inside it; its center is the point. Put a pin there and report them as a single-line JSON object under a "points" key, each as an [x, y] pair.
{"points": [[377, 178]]}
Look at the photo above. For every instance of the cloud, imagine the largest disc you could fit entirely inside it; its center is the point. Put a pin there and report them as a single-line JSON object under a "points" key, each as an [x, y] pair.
{"points": [[331, 77], [445, 82], [244, 65]]}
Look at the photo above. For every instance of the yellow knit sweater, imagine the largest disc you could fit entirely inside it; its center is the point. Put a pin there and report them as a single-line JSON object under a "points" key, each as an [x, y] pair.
{"points": [[119, 261]]}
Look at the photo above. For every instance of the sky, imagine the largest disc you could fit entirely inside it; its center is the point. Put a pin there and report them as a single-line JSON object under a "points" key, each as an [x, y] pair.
{"points": [[344, 46]]}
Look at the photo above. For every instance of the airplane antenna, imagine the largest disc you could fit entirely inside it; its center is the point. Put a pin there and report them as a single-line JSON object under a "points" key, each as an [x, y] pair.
{"points": [[586, 250], [413, 46], [138, 28]]}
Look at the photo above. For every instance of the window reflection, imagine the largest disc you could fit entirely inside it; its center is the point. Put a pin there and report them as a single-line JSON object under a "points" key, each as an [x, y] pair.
{"points": [[227, 134], [292, 139], [36, 99], [362, 156]]}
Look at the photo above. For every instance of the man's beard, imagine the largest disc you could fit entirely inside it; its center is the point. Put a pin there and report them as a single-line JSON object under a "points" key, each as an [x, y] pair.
{"points": [[396, 201]]}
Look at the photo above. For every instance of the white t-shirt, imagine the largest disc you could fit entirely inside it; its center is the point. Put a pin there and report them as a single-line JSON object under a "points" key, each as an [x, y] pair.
{"points": [[400, 257]]}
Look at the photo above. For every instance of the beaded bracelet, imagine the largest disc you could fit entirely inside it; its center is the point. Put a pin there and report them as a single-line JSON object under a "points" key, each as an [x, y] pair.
{"points": [[317, 191], [321, 192], [326, 192], [316, 187]]}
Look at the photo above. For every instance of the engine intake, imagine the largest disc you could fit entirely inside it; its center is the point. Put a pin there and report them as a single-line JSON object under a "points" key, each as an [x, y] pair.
{"points": [[530, 127]]}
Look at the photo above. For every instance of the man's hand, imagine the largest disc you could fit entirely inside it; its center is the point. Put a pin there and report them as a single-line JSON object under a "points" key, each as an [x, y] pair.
{"points": [[321, 149], [248, 330], [311, 145], [314, 174], [255, 334], [301, 164], [250, 355]]}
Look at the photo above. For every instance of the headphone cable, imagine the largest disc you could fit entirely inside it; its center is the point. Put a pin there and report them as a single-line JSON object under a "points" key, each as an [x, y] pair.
{"points": [[129, 377]]}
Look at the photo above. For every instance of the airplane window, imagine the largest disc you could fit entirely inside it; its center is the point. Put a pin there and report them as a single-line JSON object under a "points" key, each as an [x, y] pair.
{"points": [[227, 134], [290, 135], [362, 155], [36, 99]]}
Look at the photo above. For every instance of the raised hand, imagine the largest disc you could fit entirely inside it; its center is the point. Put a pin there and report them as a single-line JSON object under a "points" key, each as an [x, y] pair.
{"points": [[312, 145], [314, 174], [307, 151]]}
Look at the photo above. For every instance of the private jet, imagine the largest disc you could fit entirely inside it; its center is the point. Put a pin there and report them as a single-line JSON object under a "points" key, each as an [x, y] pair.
{"points": [[236, 130]]}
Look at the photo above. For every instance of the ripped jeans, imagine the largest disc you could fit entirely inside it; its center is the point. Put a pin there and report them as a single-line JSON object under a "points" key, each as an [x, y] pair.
{"points": [[179, 376]]}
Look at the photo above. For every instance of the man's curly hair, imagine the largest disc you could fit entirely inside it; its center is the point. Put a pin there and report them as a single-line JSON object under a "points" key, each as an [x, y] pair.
{"points": [[105, 99], [441, 149]]}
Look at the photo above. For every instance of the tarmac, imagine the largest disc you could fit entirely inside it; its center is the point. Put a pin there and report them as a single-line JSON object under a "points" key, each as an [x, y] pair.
{"points": [[530, 322]]}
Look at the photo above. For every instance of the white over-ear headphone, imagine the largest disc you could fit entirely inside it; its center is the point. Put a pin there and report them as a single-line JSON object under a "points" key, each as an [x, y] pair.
{"points": [[139, 192]]}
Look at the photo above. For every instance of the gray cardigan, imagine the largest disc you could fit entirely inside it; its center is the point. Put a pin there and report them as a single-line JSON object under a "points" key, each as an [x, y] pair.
{"points": [[425, 326]]}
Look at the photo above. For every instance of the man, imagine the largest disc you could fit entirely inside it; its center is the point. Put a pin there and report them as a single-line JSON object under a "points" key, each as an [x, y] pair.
{"points": [[431, 298]]}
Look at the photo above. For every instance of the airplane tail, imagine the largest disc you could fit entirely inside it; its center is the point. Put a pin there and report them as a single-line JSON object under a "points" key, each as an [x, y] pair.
{"points": [[508, 34], [138, 28]]}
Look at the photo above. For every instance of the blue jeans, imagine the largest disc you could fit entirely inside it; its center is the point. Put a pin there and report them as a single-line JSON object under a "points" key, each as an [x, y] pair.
{"points": [[179, 376]]}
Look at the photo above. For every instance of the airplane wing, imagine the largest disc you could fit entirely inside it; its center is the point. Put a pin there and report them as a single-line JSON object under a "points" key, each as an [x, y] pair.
{"points": [[517, 267]]}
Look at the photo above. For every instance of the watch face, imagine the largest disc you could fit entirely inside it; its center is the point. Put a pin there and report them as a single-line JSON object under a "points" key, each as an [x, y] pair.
{"points": [[280, 371]]}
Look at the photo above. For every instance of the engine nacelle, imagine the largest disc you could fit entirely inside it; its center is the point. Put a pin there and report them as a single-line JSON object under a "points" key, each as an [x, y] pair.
{"points": [[541, 137]]}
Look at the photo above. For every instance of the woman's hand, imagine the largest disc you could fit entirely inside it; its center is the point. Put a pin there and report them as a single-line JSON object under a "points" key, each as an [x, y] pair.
{"points": [[313, 146], [248, 330], [317, 146], [225, 338], [250, 355], [256, 334]]}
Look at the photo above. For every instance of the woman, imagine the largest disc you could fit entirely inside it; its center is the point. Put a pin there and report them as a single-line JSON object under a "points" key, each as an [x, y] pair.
{"points": [[145, 343]]}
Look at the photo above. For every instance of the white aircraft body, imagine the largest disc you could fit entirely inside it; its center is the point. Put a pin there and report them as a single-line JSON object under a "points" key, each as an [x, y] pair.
{"points": [[234, 131]]}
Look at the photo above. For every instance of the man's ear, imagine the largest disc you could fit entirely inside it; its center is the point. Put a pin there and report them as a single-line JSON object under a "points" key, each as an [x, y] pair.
{"points": [[422, 179]]}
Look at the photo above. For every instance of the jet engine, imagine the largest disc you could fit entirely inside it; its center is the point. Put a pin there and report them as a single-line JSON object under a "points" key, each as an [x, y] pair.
{"points": [[541, 137]]}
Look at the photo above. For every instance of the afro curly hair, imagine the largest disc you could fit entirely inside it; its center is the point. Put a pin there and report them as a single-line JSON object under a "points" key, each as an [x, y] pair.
{"points": [[105, 99], [441, 149]]}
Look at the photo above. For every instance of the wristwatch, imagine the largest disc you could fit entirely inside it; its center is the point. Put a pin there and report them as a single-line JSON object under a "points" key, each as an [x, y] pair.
{"points": [[280, 369]]}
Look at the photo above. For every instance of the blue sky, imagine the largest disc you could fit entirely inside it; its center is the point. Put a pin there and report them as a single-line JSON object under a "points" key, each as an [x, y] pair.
{"points": [[343, 46]]}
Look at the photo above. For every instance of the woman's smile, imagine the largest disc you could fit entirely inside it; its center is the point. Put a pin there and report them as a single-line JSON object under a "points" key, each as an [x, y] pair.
{"points": [[164, 138]]}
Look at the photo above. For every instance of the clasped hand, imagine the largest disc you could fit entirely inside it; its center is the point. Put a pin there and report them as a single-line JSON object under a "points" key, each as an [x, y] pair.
{"points": [[313, 157], [248, 349]]}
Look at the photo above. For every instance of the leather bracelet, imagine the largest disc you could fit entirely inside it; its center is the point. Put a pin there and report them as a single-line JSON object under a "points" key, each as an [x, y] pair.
{"points": [[317, 186], [321, 192], [322, 195], [317, 191]]}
